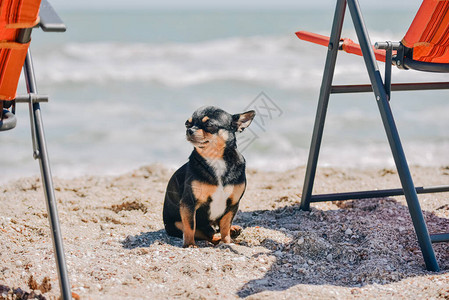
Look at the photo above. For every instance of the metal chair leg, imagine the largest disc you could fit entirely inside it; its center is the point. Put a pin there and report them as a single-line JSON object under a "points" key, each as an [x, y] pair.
{"points": [[51, 205], [40, 152], [393, 139], [323, 104]]}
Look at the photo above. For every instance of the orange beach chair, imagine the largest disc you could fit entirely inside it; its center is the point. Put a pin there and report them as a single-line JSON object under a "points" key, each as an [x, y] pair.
{"points": [[17, 19], [425, 47]]}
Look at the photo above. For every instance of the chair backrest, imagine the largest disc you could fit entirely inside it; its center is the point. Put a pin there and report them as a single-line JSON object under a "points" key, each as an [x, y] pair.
{"points": [[428, 34], [15, 16]]}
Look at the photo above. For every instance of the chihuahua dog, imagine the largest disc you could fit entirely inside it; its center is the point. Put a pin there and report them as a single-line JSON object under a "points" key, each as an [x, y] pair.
{"points": [[205, 192]]}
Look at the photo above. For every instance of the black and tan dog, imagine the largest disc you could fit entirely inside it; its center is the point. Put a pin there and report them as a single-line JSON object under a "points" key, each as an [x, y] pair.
{"points": [[205, 192]]}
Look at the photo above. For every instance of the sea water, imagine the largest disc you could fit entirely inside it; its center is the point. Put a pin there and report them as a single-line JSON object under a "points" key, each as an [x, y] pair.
{"points": [[122, 84]]}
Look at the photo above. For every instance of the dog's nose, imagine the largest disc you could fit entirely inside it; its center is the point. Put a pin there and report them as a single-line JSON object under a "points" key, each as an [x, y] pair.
{"points": [[190, 131]]}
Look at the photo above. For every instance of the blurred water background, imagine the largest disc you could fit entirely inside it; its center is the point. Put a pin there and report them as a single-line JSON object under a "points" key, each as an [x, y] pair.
{"points": [[122, 82]]}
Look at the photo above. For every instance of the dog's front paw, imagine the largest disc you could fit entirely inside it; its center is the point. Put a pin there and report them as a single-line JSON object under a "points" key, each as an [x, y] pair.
{"points": [[189, 246], [235, 231], [215, 240]]}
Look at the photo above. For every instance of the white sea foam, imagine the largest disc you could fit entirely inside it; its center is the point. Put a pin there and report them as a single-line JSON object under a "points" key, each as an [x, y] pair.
{"points": [[282, 61], [276, 60], [258, 59]]}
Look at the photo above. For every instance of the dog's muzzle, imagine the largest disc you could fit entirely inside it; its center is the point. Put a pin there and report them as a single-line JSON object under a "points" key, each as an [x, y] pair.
{"points": [[195, 137], [190, 132]]}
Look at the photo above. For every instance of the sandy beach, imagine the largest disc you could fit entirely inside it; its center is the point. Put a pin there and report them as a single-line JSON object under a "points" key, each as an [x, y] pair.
{"points": [[116, 247]]}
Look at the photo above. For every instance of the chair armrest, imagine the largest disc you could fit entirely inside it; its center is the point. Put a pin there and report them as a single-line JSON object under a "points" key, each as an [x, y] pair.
{"points": [[49, 19]]}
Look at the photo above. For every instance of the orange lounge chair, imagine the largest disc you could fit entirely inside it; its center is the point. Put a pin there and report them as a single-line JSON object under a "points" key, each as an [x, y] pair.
{"points": [[425, 47], [17, 19]]}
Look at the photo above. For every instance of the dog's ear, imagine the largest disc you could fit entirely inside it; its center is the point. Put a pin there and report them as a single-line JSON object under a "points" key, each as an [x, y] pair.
{"points": [[241, 121]]}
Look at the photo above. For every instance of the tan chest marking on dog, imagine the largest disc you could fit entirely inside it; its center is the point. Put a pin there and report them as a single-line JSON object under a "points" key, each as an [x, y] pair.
{"points": [[219, 196], [202, 191], [237, 193], [219, 201]]}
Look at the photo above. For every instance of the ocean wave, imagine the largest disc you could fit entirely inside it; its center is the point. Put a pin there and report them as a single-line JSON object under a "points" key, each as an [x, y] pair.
{"points": [[257, 59], [281, 61]]}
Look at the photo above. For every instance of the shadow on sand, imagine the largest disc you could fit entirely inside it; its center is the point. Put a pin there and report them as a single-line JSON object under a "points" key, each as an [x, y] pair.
{"points": [[364, 242]]}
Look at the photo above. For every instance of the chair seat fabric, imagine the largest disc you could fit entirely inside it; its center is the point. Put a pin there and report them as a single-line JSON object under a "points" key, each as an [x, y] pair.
{"points": [[428, 34], [14, 15]]}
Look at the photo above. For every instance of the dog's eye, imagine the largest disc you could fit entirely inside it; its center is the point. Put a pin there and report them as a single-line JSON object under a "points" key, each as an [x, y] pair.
{"points": [[211, 128]]}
